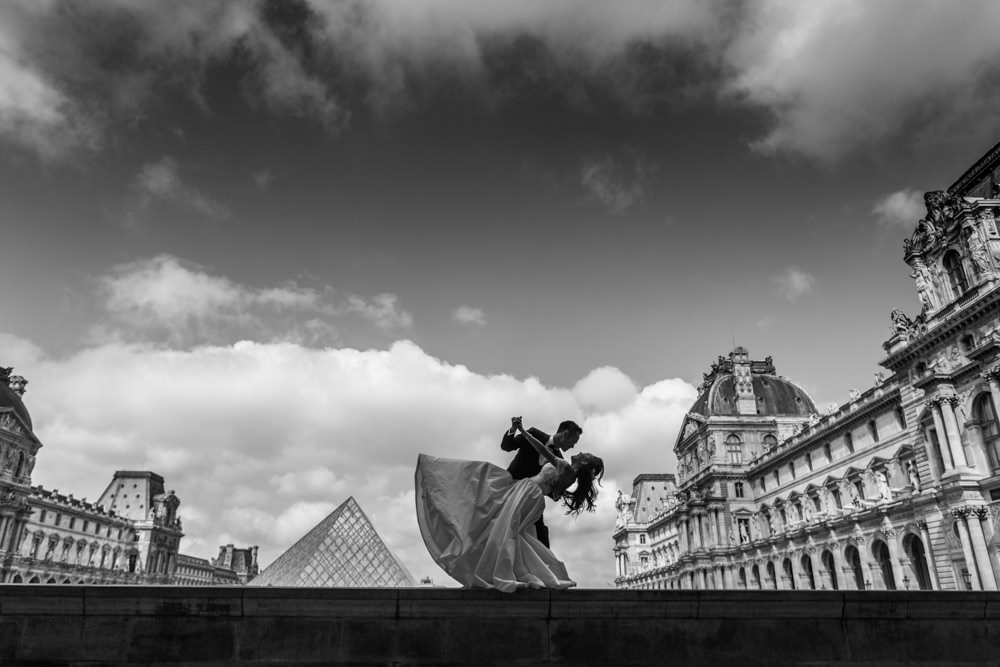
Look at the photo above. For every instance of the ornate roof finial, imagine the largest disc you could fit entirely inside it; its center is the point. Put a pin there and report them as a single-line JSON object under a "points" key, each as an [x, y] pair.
{"points": [[18, 384]]}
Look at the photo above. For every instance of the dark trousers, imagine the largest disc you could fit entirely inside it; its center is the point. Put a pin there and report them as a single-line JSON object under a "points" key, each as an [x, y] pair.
{"points": [[542, 532]]}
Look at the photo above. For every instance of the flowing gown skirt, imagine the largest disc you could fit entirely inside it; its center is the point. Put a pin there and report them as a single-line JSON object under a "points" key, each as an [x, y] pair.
{"points": [[479, 525]]}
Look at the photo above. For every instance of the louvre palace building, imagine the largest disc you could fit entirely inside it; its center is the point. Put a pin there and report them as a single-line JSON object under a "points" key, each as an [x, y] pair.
{"points": [[131, 534], [899, 488]]}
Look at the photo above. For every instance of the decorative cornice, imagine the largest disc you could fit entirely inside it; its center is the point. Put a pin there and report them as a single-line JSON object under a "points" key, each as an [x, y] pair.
{"points": [[976, 171]]}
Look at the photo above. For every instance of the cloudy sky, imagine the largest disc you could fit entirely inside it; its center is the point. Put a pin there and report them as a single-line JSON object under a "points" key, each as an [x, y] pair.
{"points": [[273, 250]]}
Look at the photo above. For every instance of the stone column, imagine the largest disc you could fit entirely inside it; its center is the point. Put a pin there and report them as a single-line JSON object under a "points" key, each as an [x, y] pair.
{"points": [[4, 529], [942, 437], [979, 548], [682, 529], [960, 515], [954, 435], [929, 555], [713, 523]]}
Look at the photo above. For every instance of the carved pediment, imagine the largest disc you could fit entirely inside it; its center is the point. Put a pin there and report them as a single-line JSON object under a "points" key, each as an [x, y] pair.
{"points": [[10, 422]]}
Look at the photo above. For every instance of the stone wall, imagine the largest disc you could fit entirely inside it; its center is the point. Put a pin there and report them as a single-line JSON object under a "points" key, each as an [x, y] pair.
{"points": [[135, 624]]}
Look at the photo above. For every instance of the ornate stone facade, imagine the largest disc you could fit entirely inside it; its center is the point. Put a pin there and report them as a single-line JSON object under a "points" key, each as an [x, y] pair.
{"points": [[898, 488], [131, 535]]}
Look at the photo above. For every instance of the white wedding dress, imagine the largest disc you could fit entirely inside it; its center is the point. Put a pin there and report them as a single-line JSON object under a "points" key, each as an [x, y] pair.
{"points": [[479, 524]]}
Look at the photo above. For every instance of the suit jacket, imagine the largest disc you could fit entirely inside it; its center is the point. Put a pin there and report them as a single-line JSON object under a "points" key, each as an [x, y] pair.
{"points": [[525, 463]]}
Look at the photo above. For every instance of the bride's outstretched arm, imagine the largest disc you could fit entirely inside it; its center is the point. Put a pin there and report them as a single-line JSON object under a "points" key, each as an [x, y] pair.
{"points": [[536, 443]]}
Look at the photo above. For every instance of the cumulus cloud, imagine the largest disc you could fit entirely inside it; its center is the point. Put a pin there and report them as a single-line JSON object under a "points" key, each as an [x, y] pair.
{"points": [[469, 316], [793, 283], [382, 311], [180, 303], [899, 209], [161, 181], [262, 440], [834, 76], [617, 182], [605, 389]]}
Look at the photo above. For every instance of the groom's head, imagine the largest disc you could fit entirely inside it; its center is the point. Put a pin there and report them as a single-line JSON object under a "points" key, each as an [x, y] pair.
{"points": [[567, 435]]}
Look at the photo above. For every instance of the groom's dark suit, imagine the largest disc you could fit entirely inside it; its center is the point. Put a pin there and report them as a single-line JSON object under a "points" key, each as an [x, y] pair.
{"points": [[526, 464]]}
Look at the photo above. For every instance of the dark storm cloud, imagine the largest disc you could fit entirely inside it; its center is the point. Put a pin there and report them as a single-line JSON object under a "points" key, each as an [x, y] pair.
{"points": [[828, 77]]}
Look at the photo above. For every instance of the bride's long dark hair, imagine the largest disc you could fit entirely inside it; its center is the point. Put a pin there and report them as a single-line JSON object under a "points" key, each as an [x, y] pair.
{"points": [[587, 479]]}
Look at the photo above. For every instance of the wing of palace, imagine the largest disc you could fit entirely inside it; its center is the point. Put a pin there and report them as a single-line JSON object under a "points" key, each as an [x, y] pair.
{"points": [[897, 488]]}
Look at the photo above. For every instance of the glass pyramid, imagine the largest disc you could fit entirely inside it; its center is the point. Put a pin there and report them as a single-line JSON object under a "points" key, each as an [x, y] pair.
{"points": [[342, 550]]}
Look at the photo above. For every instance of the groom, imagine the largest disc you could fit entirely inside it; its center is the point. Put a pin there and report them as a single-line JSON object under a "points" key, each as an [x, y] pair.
{"points": [[527, 462]]}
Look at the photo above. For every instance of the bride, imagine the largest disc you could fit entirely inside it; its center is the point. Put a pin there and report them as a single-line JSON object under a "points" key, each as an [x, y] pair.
{"points": [[479, 524]]}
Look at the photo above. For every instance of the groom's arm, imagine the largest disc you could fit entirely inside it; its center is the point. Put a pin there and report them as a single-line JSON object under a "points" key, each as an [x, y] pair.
{"points": [[511, 441], [514, 441]]}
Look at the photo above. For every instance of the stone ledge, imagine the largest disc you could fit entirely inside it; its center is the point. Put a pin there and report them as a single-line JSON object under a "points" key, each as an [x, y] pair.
{"points": [[200, 625]]}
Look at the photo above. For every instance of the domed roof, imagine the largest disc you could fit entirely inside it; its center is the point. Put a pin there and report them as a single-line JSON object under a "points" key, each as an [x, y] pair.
{"points": [[773, 395], [9, 399]]}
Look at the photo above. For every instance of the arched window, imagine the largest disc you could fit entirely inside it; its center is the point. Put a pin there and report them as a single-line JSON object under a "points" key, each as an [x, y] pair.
{"points": [[956, 274], [914, 547], [734, 449], [743, 578], [881, 553], [771, 575], [854, 560], [786, 566], [986, 414], [755, 577], [770, 442], [807, 568], [831, 568]]}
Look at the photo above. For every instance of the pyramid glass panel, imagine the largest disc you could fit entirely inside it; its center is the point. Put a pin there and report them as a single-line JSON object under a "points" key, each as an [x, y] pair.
{"points": [[342, 550]]}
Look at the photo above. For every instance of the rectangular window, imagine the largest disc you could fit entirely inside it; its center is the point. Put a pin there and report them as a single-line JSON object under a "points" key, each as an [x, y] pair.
{"points": [[809, 460], [41, 519], [791, 469], [777, 479], [86, 525], [763, 485], [738, 488], [58, 518], [642, 539], [72, 522]]}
